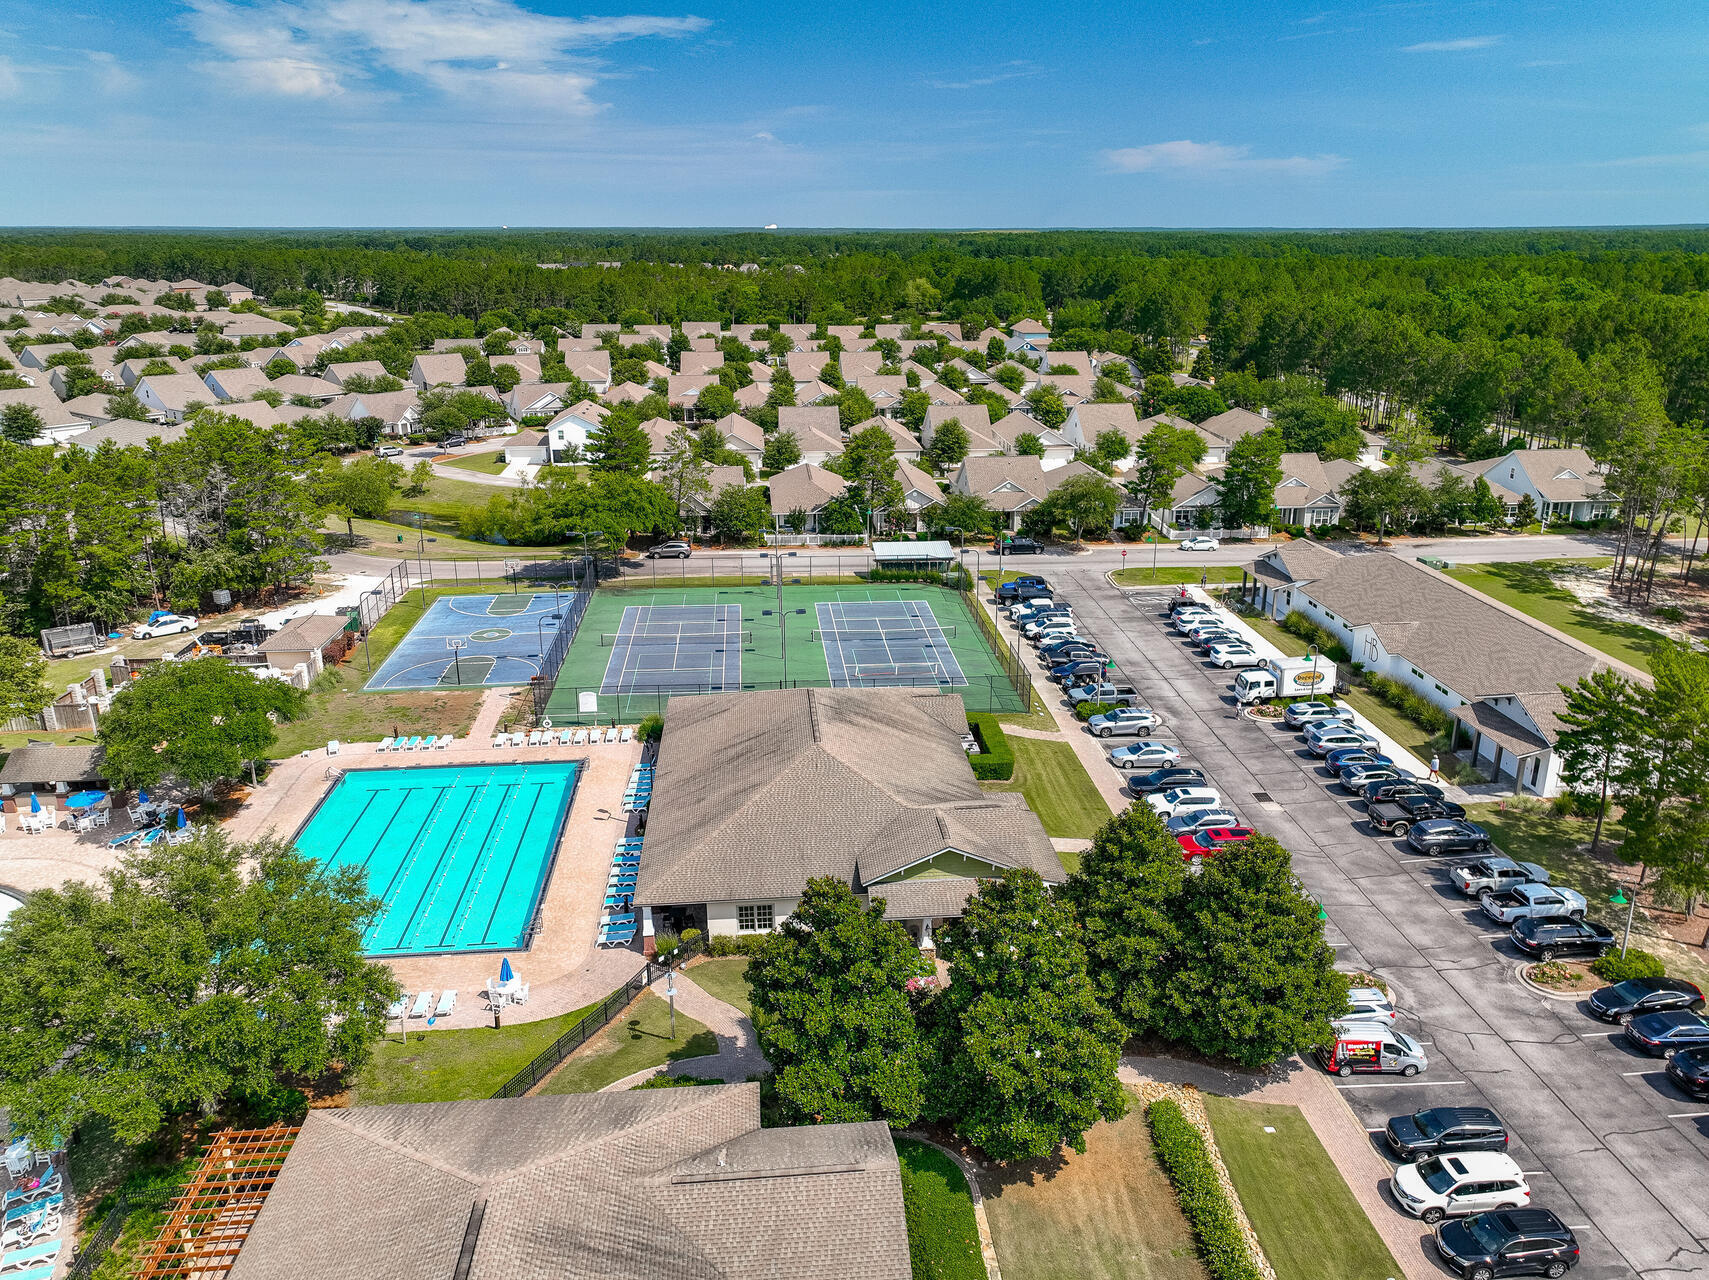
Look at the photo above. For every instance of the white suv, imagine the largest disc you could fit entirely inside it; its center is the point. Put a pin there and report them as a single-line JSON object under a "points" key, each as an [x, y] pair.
{"points": [[1180, 800], [1461, 1183]]}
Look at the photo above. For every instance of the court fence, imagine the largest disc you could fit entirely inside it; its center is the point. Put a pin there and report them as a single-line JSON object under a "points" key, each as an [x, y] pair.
{"points": [[1008, 651], [552, 661], [981, 693], [595, 1021]]}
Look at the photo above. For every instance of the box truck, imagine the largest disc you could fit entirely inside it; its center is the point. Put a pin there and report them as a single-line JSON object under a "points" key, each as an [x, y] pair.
{"points": [[1286, 678]]}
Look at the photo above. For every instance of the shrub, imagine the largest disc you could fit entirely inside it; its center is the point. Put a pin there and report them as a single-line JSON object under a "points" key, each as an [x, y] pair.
{"points": [[1182, 1152], [1084, 711], [1669, 613], [1615, 967], [955, 576], [745, 944], [1411, 704], [651, 728], [995, 761], [665, 946], [663, 1081], [1297, 624]]}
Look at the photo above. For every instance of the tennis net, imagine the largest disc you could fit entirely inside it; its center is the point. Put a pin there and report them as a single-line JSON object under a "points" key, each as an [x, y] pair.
{"points": [[890, 635], [728, 639]]}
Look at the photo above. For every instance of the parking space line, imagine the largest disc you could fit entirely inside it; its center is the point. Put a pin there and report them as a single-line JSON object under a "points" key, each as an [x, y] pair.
{"points": [[1653, 1071], [1402, 1084], [1688, 1115], [1591, 1035]]}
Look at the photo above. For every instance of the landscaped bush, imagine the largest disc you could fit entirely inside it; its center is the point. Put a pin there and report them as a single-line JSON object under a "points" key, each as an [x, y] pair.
{"points": [[955, 576], [1411, 704], [1084, 711], [745, 944], [995, 762], [1182, 1152], [1669, 613], [1297, 624], [651, 728], [1615, 967]]}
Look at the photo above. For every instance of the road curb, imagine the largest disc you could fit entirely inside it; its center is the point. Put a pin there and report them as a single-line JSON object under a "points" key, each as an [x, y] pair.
{"points": [[1569, 997]]}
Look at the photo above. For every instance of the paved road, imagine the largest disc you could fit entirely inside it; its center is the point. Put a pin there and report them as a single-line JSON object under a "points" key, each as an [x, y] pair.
{"points": [[1610, 1146]]}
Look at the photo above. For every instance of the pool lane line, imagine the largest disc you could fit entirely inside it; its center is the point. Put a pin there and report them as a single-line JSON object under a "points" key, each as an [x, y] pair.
{"points": [[434, 877], [500, 818], [385, 895], [510, 868], [415, 848]]}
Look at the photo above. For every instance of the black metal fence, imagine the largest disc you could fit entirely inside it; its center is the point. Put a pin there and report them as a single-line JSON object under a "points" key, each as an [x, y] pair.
{"points": [[552, 661], [594, 1022], [1008, 652], [563, 704], [94, 1250]]}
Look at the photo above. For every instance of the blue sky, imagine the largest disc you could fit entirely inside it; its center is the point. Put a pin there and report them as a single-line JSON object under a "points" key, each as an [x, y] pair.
{"points": [[535, 113]]}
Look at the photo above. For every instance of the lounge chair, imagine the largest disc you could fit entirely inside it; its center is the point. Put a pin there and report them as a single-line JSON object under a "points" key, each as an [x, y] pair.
{"points": [[628, 734], [580, 739], [32, 1227], [385, 744], [413, 743], [55, 1201], [621, 918], [423, 1003], [123, 838], [398, 1007], [564, 738], [620, 877], [152, 835], [33, 1255], [611, 733], [622, 901], [617, 937], [534, 738], [500, 740], [23, 1195], [431, 739], [447, 1002], [43, 1272], [520, 996], [444, 740]]}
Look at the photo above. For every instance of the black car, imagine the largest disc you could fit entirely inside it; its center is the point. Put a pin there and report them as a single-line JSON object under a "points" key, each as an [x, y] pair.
{"points": [[1634, 996], [1017, 547], [1073, 673], [1689, 1069], [1073, 651], [1447, 835], [1549, 936], [1145, 784], [1507, 1242], [1663, 1034], [1442, 1129], [1024, 587], [1390, 788]]}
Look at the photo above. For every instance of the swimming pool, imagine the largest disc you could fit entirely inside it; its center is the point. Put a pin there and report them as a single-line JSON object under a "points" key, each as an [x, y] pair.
{"points": [[458, 855]]}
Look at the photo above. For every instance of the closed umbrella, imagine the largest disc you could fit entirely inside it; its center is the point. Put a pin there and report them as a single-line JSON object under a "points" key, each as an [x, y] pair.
{"points": [[35, 803], [142, 797], [182, 820], [505, 973]]}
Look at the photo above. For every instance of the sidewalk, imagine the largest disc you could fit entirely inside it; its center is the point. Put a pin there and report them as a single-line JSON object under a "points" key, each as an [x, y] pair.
{"points": [[738, 1055]]}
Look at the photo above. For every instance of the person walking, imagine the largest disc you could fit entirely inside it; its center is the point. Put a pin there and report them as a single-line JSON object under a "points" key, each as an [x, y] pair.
{"points": [[1435, 766]]}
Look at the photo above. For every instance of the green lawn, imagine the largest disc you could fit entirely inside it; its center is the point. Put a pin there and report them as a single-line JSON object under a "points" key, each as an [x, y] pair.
{"points": [[1107, 1215], [1409, 735], [638, 1039], [1531, 832], [1174, 575], [1530, 589], [943, 1236], [1310, 1225], [723, 978], [444, 1066], [1057, 788], [382, 540], [492, 463]]}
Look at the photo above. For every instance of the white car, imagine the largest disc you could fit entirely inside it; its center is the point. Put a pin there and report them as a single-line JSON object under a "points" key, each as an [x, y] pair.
{"points": [[1189, 620], [1462, 1183], [1526, 900], [1200, 544], [1368, 1004], [1234, 655], [1149, 754], [170, 625], [1182, 800]]}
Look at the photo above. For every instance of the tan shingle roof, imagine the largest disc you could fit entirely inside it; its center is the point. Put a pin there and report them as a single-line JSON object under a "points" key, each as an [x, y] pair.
{"points": [[1234, 425], [805, 486], [29, 766]]}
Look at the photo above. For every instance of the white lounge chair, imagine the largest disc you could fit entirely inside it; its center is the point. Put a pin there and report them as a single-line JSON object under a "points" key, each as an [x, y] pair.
{"points": [[611, 734], [34, 1256], [423, 1003], [520, 996], [398, 1007], [534, 738], [500, 740], [444, 740], [385, 744], [628, 734], [413, 743], [564, 738], [580, 738], [447, 1002], [428, 744]]}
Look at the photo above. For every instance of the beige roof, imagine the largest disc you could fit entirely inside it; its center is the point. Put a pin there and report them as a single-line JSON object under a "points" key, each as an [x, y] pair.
{"points": [[1560, 475], [33, 765], [1233, 425], [805, 486], [859, 364], [431, 370], [700, 361], [589, 366], [1010, 483], [912, 478], [44, 402], [311, 631], [661, 1184], [388, 406], [1305, 480], [1297, 561], [1490, 722], [1095, 418], [238, 384], [739, 433], [527, 366], [1079, 361], [176, 390], [127, 431], [299, 384], [974, 418], [820, 419], [349, 368], [763, 791]]}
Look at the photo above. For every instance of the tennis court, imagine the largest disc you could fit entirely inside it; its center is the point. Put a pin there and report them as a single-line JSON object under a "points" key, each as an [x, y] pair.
{"points": [[639, 645], [458, 855], [471, 641]]}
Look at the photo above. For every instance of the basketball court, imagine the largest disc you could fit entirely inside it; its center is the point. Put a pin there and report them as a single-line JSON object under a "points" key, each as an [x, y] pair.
{"points": [[470, 642]]}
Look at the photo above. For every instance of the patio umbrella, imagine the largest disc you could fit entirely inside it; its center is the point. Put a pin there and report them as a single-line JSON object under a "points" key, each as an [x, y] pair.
{"points": [[182, 820], [142, 797], [505, 973], [83, 799], [35, 803]]}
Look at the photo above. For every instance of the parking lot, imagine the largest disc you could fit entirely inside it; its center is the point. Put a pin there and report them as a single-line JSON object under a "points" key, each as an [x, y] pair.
{"points": [[1607, 1143]]}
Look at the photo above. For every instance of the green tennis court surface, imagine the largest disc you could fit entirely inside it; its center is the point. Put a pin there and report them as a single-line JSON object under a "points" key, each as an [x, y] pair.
{"points": [[637, 646]]}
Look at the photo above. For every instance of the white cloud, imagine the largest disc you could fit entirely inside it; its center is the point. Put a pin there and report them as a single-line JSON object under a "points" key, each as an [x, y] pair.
{"points": [[1459, 45], [490, 51], [1017, 70], [1186, 157], [110, 74], [10, 84]]}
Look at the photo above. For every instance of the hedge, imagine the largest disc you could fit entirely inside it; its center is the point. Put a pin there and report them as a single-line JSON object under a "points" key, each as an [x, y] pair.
{"points": [[743, 944], [1615, 967], [996, 761], [1411, 704], [1182, 1152], [1085, 710], [955, 576], [1297, 624]]}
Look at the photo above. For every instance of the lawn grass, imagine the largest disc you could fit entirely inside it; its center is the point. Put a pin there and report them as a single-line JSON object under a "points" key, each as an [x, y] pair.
{"points": [[1176, 575], [445, 1066], [1107, 1215], [382, 541], [724, 978], [1057, 788], [1530, 589], [943, 1235], [491, 462], [637, 1040], [1416, 739], [1306, 1218], [1531, 831]]}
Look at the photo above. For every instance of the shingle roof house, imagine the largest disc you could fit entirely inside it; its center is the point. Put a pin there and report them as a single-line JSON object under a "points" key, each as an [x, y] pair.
{"points": [[763, 791], [673, 1184], [438, 370], [803, 487], [1012, 486]]}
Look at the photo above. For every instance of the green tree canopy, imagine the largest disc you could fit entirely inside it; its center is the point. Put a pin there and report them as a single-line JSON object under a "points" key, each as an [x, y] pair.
{"points": [[1163, 455], [1312, 423], [20, 423], [1603, 737], [23, 678], [949, 444], [619, 445], [782, 451], [1083, 502], [1044, 402], [1249, 480], [740, 513]]}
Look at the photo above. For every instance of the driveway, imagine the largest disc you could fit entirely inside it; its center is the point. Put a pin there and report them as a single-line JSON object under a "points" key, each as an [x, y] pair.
{"points": [[1608, 1144]]}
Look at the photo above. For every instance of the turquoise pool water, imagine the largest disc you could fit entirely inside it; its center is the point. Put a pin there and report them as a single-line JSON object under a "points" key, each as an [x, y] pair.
{"points": [[458, 855]]}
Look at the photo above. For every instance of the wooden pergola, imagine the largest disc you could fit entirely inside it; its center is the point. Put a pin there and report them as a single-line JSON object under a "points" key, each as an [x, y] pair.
{"points": [[210, 1218]]}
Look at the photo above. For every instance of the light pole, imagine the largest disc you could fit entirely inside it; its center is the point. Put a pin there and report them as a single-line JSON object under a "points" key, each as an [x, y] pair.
{"points": [[1311, 652], [540, 630], [574, 533], [1619, 899], [782, 616], [367, 658], [421, 541]]}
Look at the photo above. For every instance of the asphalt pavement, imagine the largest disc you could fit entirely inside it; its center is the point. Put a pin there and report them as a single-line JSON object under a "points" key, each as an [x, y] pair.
{"points": [[1608, 1144]]}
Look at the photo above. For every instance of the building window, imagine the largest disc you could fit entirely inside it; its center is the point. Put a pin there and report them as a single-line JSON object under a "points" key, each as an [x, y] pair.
{"points": [[754, 918], [1415, 671]]}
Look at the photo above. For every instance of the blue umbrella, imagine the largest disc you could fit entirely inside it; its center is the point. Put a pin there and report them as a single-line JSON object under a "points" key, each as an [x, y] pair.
{"points": [[142, 797], [83, 799], [505, 973], [182, 820], [35, 803]]}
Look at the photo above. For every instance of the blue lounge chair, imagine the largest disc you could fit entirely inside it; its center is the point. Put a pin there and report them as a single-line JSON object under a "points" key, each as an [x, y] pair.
{"points": [[23, 1195], [34, 1273], [55, 1201], [32, 1255], [431, 739], [413, 743], [617, 937]]}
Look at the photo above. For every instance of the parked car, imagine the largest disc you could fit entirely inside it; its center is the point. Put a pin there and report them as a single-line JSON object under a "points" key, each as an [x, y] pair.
{"points": [[1507, 1242], [1167, 804], [1689, 1070], [1163, 779], [1216, 638], [1017, 547], [1149, 754], [166, 624], [1053, 629], [1216, 626], [1368, 1004], [1067, 642], [1638, 996], [1301, 714], [1073, 649], [1022, 588], [673, 550], [1397, 816], [454, 442], [1199, 544], [1183, 602], [1186, 823], [1438, 1130], [1465, 1182], [1355, 777], [1198, 845], [1663, 1034], [1188, 619], [1341, 757], [1029, 606], [1122, 720], [1524, 900], [1392, 787], [388, 451], [1446, 835], [1495, 874], [1061, 622], [1371, 1047], [1549, 936], [1321, 744], [1234, 654], [1073, 672], [1116, 695]]}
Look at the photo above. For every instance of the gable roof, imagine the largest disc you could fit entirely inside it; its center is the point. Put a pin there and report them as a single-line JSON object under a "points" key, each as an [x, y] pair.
{"points": [[33, 765], [821, 419], [739, 432], [1008, 483], [445, 367], [1234, 424], [805, 486]]}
